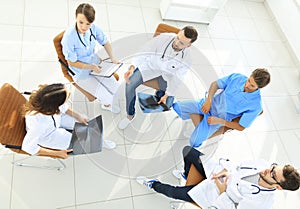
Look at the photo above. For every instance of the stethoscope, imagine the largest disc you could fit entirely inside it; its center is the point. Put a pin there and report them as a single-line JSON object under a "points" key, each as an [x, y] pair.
{"points": [[163, 55], [92, 35], [255, 186]]}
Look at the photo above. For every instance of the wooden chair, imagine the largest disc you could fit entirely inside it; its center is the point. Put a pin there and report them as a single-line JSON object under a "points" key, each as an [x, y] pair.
{"points": [[12, 124]]}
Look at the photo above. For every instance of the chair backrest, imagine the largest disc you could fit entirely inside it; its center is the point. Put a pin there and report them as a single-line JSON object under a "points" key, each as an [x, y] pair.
{"points": [[165, 28], [61, 57], [12, 124]]}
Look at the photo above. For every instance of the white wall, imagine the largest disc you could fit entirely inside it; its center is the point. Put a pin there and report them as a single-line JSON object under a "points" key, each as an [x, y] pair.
{"points": [[287, 15]]}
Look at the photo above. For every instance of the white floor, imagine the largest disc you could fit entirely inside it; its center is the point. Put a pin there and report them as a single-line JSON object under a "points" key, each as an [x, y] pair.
{"points": [[242, 37]]}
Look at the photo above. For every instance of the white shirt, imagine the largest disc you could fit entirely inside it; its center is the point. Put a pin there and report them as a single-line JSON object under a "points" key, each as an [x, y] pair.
{"points": [[45, 130], [158, 58]]}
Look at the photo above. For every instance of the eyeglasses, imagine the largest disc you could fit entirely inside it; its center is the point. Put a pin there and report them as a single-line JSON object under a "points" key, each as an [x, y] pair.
{"points": [[272, 173]]}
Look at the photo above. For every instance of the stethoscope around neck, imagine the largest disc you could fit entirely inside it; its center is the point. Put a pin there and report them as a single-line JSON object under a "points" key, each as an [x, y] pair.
{"points": [[92, 35], [163, 55], [257, 187]]}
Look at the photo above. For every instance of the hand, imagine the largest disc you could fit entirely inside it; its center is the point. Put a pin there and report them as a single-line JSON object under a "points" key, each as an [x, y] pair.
{"points": [[206, 106], [95, 68], [221, 180], [163, 99], [82, 119], [63, 153], [128, 74], [115, 61], [215, 120]]}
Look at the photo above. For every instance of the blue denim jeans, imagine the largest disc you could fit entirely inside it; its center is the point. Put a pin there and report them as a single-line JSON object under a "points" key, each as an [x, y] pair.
{"points": [[136, 80]]}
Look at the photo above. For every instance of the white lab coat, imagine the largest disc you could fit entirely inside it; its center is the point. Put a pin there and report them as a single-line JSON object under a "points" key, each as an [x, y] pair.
{"points": [[173, 67], [43, 130], [239, 193]]}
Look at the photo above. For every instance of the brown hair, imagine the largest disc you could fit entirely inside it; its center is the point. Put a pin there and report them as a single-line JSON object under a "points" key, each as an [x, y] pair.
{"points": [[190, 32], [46, 99], [261, 77], [87, 10], [292, 178]]}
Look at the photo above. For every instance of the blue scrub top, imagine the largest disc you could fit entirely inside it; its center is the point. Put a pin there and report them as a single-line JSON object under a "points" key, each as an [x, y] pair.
{"points": [[74, 50], [233, 101]]}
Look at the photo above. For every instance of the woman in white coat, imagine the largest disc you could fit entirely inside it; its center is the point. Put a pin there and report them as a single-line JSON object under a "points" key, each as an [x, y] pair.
{"points": [[47, 118], [248, 185]]}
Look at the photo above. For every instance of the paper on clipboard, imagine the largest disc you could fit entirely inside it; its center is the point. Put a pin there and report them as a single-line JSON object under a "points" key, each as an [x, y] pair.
{"points": [[107, 69]]}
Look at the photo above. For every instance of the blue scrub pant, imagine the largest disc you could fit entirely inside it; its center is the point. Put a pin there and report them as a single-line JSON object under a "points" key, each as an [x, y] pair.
{"points": [[203, 130], [136, 80]]}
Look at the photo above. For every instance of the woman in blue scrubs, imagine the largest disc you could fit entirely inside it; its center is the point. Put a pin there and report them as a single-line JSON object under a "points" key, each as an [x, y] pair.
{"points": [[79, 42]]}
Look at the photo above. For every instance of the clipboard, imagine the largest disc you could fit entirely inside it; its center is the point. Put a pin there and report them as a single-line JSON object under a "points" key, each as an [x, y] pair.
{"points": [[108, 68]]}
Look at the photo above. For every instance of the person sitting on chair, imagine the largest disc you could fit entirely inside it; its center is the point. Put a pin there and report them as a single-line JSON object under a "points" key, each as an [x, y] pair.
{"points": [[78, 46], [47, 119], [240, 98], [162, 63], [226, 185]]}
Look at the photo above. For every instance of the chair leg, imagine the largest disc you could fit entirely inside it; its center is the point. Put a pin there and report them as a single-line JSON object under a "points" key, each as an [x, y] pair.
{"points": [[61, 165]]}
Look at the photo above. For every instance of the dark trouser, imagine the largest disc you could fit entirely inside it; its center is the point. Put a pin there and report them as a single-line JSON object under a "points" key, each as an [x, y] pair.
{"points": [[178, 192], [190, 156]]}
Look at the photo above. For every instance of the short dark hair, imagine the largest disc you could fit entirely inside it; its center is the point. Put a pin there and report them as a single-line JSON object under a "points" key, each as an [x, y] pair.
{"points": [[87, 10], [190, 32], [292, 178], [261, 77]]}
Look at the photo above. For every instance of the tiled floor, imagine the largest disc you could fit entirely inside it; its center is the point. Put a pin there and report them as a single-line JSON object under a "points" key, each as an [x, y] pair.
{"points": [[243, 36]]}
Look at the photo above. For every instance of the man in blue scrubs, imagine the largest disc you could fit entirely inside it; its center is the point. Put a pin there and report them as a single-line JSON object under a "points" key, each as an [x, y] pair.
{"points": [[240, 96]]}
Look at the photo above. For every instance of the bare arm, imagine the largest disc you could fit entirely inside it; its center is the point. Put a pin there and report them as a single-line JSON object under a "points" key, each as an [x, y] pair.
{"points": [[108, 50], [233, 124], [211, 92], [77, 116], [54, 153], [83, 66]]}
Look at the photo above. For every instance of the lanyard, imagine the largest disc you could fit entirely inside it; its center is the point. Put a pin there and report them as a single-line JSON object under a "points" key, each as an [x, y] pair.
{"points": [[92, 35]]}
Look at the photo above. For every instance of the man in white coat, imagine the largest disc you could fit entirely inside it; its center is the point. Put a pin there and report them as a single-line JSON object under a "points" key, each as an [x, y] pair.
{"points": [[225, 185], [162, 63]]}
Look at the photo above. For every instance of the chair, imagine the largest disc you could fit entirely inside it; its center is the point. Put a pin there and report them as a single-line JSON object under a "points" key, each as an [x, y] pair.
{"points": [[12, 124]]}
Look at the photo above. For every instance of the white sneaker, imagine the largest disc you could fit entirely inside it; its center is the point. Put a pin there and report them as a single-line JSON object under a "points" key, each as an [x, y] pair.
{"points": [[112, 108], [124, 123], [179, 174], [109, 144]]}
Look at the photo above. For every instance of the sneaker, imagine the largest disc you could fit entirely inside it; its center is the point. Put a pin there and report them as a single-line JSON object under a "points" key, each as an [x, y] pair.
{"points": [[142, 180], [111, 108], [177, 204], [179, 174], [124, 123], [109, 144]]}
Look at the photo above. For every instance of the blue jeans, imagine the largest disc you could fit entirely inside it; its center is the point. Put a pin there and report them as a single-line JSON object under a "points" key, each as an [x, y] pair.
{"points": [[136, 80], [190, 156]]}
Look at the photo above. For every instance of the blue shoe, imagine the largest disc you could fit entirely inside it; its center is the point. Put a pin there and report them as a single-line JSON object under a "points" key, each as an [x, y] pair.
{"points": [[142, 180]]}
